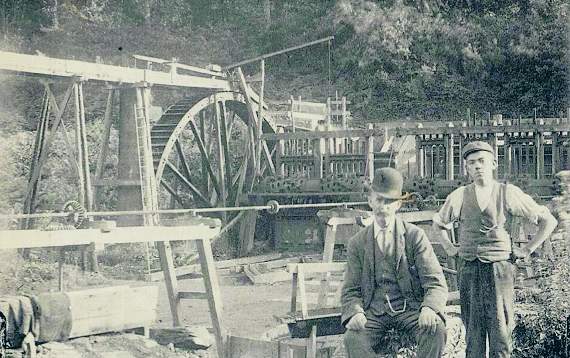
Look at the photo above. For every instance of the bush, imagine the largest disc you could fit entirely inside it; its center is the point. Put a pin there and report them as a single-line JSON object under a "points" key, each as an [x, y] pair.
{"points": [[542, 314]]}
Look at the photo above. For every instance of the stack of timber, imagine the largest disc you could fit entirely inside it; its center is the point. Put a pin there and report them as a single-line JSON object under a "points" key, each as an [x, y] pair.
{"points": [[275, 271]]}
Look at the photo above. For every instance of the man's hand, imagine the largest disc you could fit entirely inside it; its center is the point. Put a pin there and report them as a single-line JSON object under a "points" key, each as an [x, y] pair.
{"points": [[428, 320], [356, 322], [520, 252]]}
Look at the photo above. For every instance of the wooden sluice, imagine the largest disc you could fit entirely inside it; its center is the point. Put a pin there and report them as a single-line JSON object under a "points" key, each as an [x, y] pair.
{"points": [[533, 149]]}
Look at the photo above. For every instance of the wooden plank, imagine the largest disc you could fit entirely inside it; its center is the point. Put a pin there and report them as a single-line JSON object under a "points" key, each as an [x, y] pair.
{"points": [[167, 267], [302, 291], [15, 239], [214, 294], [317, 267], [179, 65], [132, 307], [220, 265], [312, 343], [192, 295], [266, 278], [416, 216], [43, 65]]}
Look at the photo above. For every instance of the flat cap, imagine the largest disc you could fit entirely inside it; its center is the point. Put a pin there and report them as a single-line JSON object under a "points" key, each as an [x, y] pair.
{"points": [[477, 146]]}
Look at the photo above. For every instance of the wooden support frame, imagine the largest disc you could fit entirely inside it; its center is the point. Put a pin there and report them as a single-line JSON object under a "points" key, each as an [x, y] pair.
{"points": [[42, 158], [107, 124]]}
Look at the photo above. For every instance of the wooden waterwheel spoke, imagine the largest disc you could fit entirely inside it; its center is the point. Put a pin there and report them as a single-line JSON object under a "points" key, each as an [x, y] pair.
{"points": [[188, 184], [204, 153], [174, 194], [182, 159], [206, 178], [222, 151], [225, 135]]}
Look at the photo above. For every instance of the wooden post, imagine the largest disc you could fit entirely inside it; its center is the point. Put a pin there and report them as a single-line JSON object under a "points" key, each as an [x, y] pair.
{"points": [[107, 124], [344, 117], [370, 155], [555, 153], [420, 157], [78, 145], [260, 118], [167, 264], [129, 197], [460, 155], [508, 157], [280, 166], [213, 291], [493, 139], [539, 153], [329, 112], [450, 157], [247, 232], [318, 148]]}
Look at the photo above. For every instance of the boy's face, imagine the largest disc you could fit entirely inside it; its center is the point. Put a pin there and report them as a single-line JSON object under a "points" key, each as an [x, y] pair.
{"points": [[480, 166], [384, 209]]}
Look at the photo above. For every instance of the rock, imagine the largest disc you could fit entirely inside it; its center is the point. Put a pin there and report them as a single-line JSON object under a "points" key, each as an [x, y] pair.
{"points": [[58, 350], [189, 338], [149, 343], [116, 354]]}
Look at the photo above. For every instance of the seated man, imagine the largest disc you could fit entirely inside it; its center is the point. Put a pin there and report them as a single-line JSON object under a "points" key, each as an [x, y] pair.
{"points": [[393, 278]]}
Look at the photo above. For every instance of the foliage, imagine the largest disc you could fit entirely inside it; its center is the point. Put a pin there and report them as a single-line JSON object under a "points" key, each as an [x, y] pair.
{"points": [[542, 316], [408, 62]]}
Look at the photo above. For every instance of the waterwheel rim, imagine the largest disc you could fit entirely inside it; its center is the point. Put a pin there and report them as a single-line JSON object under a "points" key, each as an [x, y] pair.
{"points": [[170, 139]]}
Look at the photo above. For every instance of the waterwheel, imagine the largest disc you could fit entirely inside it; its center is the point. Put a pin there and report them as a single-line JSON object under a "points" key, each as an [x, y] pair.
{"points": [[202, 151]]}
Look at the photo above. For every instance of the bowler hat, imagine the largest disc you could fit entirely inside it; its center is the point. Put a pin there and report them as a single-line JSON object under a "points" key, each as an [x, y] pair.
{"points": [[477, 146], [388, 183]]}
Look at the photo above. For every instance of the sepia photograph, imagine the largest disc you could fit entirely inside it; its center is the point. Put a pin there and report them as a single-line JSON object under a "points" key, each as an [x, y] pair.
{"points": [[284, 178]]}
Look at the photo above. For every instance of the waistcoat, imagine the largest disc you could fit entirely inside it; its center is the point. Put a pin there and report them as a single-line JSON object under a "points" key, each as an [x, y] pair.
{"points": [[385, 280], [482, 233]]}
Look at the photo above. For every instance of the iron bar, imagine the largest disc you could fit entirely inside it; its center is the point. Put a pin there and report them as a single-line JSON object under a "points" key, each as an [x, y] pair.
{"points": [[183, 211], [271, 54]]}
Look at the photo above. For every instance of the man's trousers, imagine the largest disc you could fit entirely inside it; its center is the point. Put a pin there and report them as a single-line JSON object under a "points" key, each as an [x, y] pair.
{"points": [[487, 299], [361, 344]]}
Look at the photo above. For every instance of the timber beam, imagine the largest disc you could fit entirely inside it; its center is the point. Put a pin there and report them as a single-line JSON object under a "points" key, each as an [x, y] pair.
{"points": [[17, 239], [41, 65], [400, 132]]}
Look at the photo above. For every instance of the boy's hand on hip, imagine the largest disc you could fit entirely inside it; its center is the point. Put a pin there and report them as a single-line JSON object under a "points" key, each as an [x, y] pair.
{"points": [[428, 320], [357, 322], [520, 252]]}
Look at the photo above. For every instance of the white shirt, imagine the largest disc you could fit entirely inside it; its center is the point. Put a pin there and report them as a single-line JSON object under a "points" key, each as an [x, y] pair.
{"points": [[518, 204]]}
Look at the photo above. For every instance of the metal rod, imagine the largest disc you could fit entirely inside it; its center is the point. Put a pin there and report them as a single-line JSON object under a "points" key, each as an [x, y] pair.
{"points": [[288, 49], [182, 211]]}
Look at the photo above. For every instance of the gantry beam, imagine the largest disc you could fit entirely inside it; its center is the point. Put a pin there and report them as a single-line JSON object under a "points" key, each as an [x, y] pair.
{"points": [[41, 65], [17, 239], [398, 132]]}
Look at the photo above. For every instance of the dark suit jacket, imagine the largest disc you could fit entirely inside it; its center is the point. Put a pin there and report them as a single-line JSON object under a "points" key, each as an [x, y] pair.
{"points": [[418, 271]]}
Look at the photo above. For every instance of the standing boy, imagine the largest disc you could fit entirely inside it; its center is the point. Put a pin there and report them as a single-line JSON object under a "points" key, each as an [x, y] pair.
{"points": [[486, 271]]}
